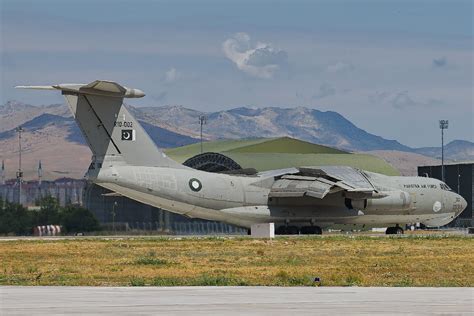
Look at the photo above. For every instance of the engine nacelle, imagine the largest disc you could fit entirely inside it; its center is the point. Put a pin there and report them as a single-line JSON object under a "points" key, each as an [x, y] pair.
{"points": [[394, 200]]}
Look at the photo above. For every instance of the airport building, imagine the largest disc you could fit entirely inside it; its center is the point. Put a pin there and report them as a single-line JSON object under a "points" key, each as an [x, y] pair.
{"points": [[460, 178], [65, 190]]}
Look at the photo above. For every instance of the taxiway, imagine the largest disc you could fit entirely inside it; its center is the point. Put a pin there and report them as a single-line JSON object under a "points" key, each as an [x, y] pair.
{"points": [[234, 300]]}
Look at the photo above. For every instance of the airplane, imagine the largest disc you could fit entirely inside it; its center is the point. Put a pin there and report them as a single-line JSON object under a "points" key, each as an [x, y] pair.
{"points": [[300, 200]]}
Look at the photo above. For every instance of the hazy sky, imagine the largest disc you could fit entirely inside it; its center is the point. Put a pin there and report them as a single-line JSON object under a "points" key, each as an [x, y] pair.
{"points": [[392, 67]]}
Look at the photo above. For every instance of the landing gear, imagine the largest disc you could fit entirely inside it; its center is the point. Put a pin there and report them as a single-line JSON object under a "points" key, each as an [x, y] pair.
{"points": [[311, 230], [287, 230], [395, 230], [294, 230]]}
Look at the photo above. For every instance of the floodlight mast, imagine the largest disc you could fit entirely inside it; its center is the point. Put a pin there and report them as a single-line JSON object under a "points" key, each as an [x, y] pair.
{"points": [[202, 121], [19, 174], [2, 174], [443, 124], [40, 173]]}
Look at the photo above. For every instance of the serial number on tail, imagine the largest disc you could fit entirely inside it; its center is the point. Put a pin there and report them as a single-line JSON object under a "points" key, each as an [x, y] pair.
{"points": [[123, 124]]}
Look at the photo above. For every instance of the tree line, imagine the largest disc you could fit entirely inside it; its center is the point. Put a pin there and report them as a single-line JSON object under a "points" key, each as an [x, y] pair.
{"points": [[17, 219]]}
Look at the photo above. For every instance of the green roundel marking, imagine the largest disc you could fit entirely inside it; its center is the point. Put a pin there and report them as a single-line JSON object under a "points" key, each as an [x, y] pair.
{"points": [[195, 185]]}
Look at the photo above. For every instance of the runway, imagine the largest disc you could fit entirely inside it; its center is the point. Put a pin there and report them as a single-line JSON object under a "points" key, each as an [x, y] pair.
{"points": [[234, 300]]}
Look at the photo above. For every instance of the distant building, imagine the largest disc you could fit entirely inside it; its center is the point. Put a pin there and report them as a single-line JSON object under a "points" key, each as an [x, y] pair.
{"points": [[460, 177], [65, 190]]}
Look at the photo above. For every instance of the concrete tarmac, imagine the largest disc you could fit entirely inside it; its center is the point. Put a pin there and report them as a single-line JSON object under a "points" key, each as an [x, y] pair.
{"points": [[234, 301], [408, 234]]}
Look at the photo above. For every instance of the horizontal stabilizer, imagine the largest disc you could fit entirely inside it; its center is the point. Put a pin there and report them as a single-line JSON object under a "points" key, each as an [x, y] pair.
{"points": [[36, 87], [98, 87]]}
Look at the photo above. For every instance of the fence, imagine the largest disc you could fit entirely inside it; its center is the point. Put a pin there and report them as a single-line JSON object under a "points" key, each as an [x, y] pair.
{"points": [[177, 228]]}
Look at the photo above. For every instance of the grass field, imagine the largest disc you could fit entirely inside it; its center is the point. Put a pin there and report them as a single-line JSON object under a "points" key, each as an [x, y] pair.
{"points": [[337, 260]]}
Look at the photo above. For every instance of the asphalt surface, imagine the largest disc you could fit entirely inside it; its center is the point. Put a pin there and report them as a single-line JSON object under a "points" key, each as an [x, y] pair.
{"points": [[234, 301]]}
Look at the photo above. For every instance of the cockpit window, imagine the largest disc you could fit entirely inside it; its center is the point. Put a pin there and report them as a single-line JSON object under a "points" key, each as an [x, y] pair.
{"points": [[445, 187]]}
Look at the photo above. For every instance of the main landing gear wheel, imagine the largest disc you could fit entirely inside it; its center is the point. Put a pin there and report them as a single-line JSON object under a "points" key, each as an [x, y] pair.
{"points": [[311, 230], [396, 230], [287, 230]]}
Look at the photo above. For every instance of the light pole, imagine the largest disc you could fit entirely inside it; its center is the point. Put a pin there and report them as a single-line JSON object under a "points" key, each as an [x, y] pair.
{"points": [[459, 180], [2, 173], [3, 195], [202, 121], [113, 216], [443, 124], [40, 173], [19, 173]]}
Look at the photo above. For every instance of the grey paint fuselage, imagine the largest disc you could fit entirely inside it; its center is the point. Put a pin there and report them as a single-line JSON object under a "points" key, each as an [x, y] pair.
{"points": [[244, 200]]}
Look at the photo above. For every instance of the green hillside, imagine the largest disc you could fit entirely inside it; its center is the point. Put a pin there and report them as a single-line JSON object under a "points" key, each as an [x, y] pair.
{"points": [[276, 153], [286, 145], [269, 161], [219, 146]]}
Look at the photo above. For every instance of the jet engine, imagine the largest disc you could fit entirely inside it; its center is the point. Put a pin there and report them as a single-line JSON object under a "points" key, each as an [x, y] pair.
{"points": [[392, 200]]}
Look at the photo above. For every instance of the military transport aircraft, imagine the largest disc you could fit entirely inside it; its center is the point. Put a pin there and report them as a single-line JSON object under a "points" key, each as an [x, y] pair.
{"points": [[300, 200]]}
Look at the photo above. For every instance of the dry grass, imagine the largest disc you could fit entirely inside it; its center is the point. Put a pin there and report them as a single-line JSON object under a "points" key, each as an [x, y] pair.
{"points": [[363, 261]]}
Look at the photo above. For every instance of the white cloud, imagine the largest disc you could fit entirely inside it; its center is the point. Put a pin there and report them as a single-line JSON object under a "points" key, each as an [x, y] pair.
{"points": [[340, 67], [259, 60], [325, 90], [402, 100], [440, 62], [172, 75]]}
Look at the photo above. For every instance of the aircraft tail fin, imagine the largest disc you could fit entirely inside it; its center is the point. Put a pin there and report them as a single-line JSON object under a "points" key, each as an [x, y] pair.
{"points": [[111, 131]]}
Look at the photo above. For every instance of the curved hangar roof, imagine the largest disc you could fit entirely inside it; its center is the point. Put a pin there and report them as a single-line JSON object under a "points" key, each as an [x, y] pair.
{"points": [[273, 153]]}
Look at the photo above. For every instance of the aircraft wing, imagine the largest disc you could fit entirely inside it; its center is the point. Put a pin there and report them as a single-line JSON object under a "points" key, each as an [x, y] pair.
{"points": [[317, 182]]}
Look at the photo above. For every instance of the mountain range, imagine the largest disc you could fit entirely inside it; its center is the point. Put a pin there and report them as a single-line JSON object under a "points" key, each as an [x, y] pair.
{"points": [[326, 128], [172, 126]]}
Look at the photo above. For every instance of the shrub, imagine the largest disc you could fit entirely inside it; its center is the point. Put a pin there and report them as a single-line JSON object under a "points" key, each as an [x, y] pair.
{"points": [[78, 219], [14, 219]]}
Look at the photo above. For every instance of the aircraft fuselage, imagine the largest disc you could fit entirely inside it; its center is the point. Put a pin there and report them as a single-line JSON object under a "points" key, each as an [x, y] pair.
{"points": [[244, 200]]}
